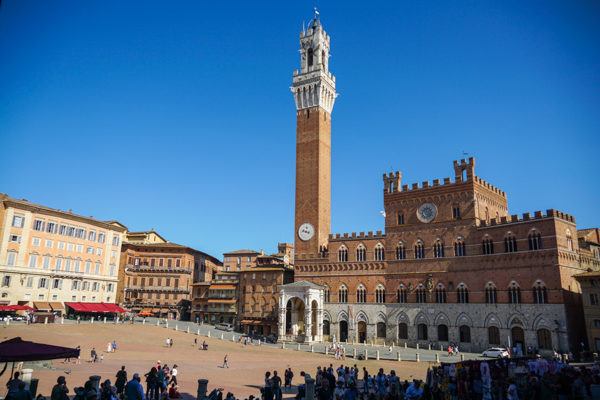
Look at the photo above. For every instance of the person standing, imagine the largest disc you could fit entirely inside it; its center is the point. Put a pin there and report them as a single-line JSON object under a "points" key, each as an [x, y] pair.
{"points": [[151, 384], [93, 354], [226, 361], [121, 380], [276, 385], [134, 389], [60, 390]]}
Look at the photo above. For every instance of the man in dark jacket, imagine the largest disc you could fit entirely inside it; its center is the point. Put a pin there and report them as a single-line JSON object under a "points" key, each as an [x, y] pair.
{"points": [[134, 389]]}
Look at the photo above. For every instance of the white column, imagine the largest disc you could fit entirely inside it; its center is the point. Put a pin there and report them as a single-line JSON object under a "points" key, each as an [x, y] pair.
{"points": [[308, 323], [319, 337]]}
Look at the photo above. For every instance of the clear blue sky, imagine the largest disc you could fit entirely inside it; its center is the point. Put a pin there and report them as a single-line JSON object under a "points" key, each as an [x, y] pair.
{"points": [[177, 115]]}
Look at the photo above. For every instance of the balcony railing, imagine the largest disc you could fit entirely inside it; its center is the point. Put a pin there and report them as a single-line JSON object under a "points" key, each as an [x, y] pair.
{"points": [[163, 269]]}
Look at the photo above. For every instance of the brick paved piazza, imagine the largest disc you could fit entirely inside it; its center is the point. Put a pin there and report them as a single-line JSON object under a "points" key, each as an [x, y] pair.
{"points": [[140, 346]]}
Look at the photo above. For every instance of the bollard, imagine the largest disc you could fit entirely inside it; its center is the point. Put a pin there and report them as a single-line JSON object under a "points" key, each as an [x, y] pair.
{"points": [[92, 320], [208, 334], [354, 353], [298, 346], [221, 336], [283, 345], [417, 357], [372, 344], [437, 358], [198, 333], [95, 379], [8, 322], [233, 338], [326, 350], [417, 346], [429, 347], [462, 357], [366, 354], [45, 320], [259, 342], [441, 348], [399, 357], [309, 389], [104, 319], [377, 354], [405, 345], [312, 348], [202, 388], [177, 328], [144, 321], [62, 320], [188, 329], [158, 323]]}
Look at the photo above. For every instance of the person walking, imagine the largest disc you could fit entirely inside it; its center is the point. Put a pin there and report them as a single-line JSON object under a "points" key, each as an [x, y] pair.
{"points": [[134, 389], [121, 380], [226, 361], [173, 374]]}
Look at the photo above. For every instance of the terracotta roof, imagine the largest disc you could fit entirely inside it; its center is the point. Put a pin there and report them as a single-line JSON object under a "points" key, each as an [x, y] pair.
{"points": [[23, 203], [243, 251]]}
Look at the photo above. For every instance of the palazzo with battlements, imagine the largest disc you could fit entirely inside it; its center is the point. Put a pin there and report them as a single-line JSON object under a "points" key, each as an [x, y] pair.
{"points": [[453, 265]]}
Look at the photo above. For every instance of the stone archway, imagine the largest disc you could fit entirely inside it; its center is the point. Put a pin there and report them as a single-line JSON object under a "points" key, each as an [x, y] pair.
{"points": [[295, 309], [301, 312], [343, 331]]}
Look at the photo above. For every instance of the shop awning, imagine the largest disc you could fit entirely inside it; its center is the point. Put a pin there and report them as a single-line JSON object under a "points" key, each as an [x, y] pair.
{"points": [[246, 322], [15, 307], [57, 306], [95, 307], [42, 305]]}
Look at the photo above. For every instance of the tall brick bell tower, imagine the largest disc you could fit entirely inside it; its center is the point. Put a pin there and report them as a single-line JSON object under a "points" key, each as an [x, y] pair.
{"points": [[314, 93]]}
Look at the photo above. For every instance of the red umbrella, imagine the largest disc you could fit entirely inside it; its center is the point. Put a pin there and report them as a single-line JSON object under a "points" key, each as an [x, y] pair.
{"points": [[17, 349]]}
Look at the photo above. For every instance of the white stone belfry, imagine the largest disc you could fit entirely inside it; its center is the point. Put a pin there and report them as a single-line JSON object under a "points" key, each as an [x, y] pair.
{"points": [[301, 312], [313, 85]]}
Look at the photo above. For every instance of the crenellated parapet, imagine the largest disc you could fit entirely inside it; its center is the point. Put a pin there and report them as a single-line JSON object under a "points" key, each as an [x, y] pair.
{"points": [[356, 236], [537, 215], [489, 186], [392, 181]]}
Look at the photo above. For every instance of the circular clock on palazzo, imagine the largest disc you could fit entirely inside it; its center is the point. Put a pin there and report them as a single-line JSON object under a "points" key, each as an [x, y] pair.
{"points": [[427, 212], [306, 231]]}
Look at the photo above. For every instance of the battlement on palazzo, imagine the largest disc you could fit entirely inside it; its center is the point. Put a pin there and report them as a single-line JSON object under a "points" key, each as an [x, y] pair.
{"points": [[356, 236], [464, 172], [537, 215]]}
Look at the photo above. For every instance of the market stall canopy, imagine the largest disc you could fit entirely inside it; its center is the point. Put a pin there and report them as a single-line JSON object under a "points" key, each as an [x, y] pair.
{"points": [[42, 306], [17, 349]]}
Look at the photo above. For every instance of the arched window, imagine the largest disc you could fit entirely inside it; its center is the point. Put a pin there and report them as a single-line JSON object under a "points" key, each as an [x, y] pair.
{"points": [[569, 240], [400, 251], [544, 339], [514, 293], [419, 250], [440, 294], [462, 294], [326, 296], [422, 332], [438, 249], [381, 330], [361, 253], [402, 331], [510, 243], [380, 294], [361, 294], [493, 335], [535, 240], [343, 294], [540, 294], [326, 327], [402, 294], [343, 254], [464, 333], [310, 57], [487, 245], [421, 294], [379, 252], [459, 247], [491, 294], [442, 333]]}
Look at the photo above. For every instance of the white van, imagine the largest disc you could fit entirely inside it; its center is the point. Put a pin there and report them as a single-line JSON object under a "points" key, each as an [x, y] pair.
{"points": [[224, 327]]}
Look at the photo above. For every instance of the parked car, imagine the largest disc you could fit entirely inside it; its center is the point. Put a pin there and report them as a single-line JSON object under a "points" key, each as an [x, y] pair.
{"points": [[496, 352], [224, 327]]}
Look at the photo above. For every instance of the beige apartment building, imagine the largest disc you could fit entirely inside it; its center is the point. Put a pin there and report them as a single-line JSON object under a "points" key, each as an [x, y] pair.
{"points": [[50, 256]]}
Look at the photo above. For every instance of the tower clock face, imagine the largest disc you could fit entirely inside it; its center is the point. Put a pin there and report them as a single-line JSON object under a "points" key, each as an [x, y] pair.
{"points": [[306, 231], [427, 212]]}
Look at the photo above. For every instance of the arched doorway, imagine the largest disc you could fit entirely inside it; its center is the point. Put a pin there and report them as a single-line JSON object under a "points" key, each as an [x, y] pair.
{"points": [[343, 331], [381, 330], [518, 339], [422, 332], [402, 331], [544, 338], [362, 331], [294, 321], [326, 328], [442, 333]]}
